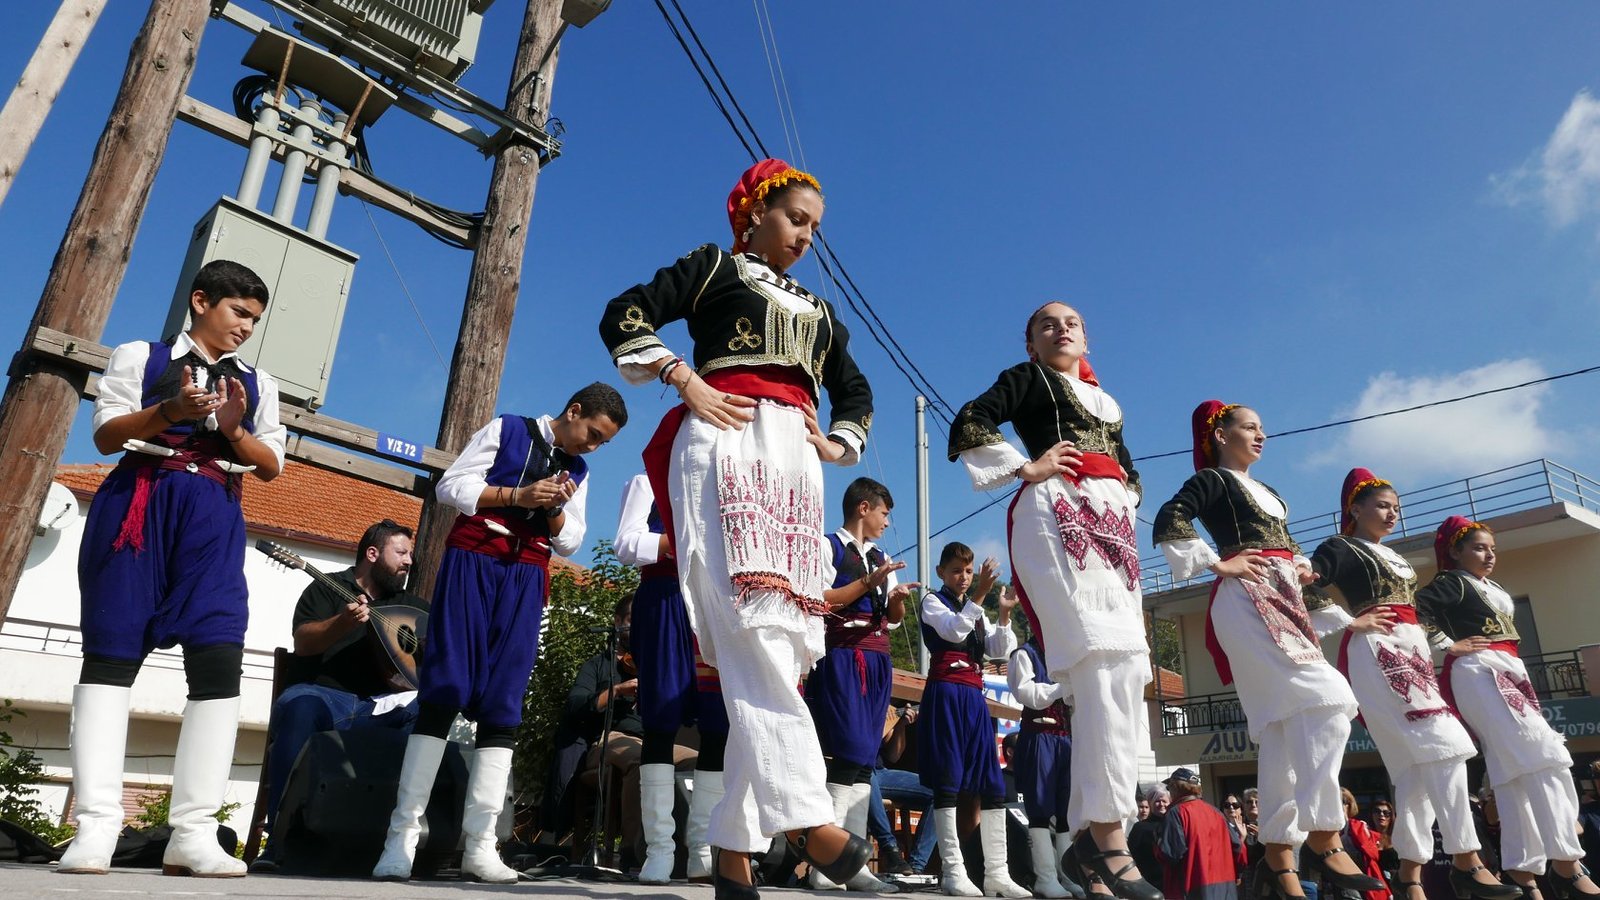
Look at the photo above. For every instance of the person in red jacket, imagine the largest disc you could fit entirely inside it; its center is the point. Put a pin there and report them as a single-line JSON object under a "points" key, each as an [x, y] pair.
{"points": [[1200, 856]]}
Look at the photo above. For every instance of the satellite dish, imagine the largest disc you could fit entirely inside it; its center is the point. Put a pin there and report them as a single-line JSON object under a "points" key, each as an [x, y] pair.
{"points": [[60, 509]]}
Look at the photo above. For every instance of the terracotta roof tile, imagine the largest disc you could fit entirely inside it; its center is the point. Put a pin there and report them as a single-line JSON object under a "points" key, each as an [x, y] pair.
{"points": [[303, 502]]}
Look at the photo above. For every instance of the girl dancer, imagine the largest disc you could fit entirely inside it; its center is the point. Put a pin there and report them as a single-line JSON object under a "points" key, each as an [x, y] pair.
{"points": [[1385, 654], [1076, 566], [738, 471], [1527, 760], [1298, 707]]}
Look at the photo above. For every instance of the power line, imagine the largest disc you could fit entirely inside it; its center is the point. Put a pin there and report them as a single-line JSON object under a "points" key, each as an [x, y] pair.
{"points": [[1307, 430], [1394, 412]]}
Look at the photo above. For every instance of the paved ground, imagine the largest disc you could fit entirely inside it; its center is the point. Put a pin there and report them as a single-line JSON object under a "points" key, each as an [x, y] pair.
{"points": [[22, 881]]}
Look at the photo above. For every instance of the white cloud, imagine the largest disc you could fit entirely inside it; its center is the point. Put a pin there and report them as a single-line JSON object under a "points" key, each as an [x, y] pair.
{"points": [[1450, 441], [1564, 176], [987, 546]]}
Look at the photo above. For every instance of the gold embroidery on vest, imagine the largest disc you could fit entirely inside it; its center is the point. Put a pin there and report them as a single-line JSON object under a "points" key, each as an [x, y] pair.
{"points": [[746, 339]]}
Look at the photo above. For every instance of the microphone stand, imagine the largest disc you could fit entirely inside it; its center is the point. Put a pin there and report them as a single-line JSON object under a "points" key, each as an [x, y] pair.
{"points": [[588, 867]]}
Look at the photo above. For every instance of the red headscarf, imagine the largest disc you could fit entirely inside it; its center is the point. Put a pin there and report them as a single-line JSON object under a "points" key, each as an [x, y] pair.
{"points": [[1354, 482], [756, 182], [1450, 533], [1202, 423]]}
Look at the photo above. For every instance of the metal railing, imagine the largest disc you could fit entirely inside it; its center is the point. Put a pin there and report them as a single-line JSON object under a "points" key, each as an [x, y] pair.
{"points": [[1555, 676], [1526, 485], [1204, 713]]}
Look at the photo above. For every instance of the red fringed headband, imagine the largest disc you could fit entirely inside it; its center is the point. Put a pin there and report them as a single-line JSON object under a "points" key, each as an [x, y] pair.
{"points": [[755, 184]]}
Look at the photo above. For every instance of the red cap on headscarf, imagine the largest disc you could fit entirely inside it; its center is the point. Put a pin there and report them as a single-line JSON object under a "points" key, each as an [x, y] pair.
{"points": [[1450, 532], [1203, 422], [1354, 482], [754, 185]]}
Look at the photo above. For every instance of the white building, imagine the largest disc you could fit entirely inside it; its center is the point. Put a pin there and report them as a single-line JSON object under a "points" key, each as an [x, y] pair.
{"points": [[318, 515]]}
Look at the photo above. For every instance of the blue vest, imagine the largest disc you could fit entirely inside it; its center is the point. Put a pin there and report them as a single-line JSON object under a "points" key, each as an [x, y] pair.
{"points": [[525, 457], [163, 374], [972, 646]]}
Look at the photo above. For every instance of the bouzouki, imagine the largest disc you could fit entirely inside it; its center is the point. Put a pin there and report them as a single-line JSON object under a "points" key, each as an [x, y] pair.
{"points": [[398, 633]]}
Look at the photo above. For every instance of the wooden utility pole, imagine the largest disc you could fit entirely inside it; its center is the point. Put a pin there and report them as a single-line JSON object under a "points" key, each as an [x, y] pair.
{"points": [[496, 276], [41, 81], [42, 396]]}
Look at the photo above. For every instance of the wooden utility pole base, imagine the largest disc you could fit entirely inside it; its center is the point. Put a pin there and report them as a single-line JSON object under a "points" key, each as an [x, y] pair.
{"points": [[42, 398], [496, 278]]}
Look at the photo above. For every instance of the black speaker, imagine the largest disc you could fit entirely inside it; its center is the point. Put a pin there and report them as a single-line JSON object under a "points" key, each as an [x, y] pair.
{"points": [[341, 792]]}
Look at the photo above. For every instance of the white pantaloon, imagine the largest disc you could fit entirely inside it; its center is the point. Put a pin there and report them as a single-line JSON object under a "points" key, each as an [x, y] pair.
{"points": [[1298, 713], [1426, 790], [1107, 697], [1085, 605], [773, 774], [1527, 762], [1538, 820], [1298, 782], [1425, 754]]}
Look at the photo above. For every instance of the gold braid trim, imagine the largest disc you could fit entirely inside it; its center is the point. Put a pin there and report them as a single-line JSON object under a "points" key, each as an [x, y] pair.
{"points": [[1463, 530]]}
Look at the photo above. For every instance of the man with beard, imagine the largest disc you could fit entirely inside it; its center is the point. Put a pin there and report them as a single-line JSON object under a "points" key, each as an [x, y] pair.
{"points": [[339, 684]]}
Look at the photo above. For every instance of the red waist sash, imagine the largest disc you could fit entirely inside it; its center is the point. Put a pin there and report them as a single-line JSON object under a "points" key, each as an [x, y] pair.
{"points": [[784, 384], [1404, 614], [521, 546], [1097, 465], [856, 631], [197, 455], [955, 667], [1053, 719], [1219, 657]]}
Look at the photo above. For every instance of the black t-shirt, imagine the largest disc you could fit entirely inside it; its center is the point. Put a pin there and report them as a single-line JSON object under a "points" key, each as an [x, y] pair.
{"points": [[350, 664]]}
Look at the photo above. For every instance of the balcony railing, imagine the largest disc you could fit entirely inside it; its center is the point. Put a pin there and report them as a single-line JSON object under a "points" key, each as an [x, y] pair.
{"points": [[1524, 486], [1555, 676]]}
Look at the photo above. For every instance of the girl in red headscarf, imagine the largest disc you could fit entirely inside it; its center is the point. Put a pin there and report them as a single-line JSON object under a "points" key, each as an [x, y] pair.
{"points": [[1527, 760], [1260, 635], [737, 474], [1076, 569], [1386, 655]]}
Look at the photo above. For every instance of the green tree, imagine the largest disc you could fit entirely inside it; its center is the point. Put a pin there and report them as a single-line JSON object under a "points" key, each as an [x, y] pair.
{"points": [[579, 600]]}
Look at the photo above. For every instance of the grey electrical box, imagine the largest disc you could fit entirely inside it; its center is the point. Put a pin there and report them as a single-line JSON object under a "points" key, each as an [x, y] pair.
{"points": [[309, 282]]}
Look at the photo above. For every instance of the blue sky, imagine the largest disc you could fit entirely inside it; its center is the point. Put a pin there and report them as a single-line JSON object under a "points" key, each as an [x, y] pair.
{"points": [[1318, 211]]}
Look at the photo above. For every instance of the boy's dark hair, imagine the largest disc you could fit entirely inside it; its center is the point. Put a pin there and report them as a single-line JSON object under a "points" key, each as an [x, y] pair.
{"points": [[223, 278], [865, 490], [600, 399], [378, 535], [955, 551], [622, 608]]}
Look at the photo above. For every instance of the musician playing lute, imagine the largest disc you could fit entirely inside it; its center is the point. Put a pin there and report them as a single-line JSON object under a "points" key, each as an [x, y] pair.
{"points": [[346, 679]]}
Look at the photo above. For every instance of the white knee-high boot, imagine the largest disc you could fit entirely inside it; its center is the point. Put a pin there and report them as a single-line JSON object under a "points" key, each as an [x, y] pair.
{"points": [[199, 779], [996, 867], [656, 801], [99, 744], [1063, 873], [421, 765], [840, 794], [954, 880], [855, 822], [1045, 879], [486, 797], [707, 794]]}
